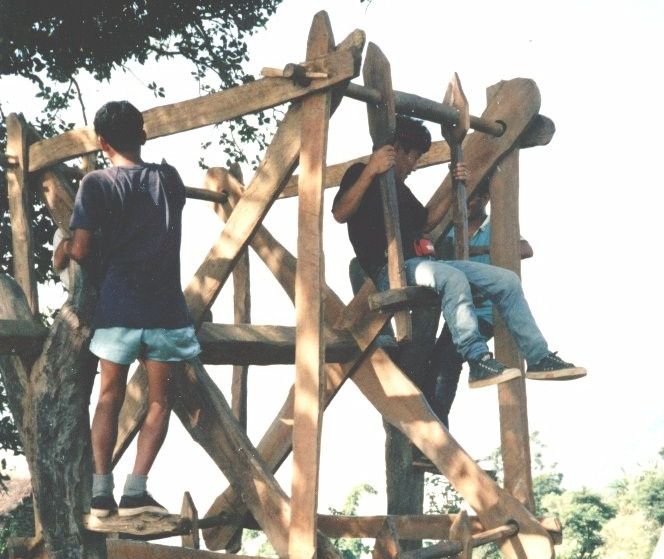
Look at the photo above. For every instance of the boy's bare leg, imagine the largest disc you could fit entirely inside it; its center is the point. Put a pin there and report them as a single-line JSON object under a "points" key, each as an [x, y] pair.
{"points": [[104, 430], [155, 426]]}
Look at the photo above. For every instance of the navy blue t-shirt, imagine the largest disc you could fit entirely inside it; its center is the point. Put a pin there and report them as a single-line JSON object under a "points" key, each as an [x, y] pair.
{"points": [[136, 213], [366, 227]]}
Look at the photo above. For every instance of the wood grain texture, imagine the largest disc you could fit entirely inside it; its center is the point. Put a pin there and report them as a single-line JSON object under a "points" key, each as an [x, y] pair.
{"points": [[512, 396], [276, 443], [201, 111], [516, 103], [439, 153], [20, 210], [403, 405], [382, 126], [225, 344], [309, 281]]}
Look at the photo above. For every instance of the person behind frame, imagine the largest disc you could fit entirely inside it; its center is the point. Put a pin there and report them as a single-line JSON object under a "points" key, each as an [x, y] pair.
{"points": [[130, 214], [358, 203]]}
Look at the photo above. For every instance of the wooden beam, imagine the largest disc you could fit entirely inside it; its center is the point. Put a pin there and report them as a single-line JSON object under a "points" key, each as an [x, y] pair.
{"points": [[516, 104], [19, 336], [20, 209], [512, 397], [409, 527], [403, 405], [225, 344], [439, 153], [201, 111], [309, 383], [382, 127], [404, 298], [275, 445], [241, 315]]}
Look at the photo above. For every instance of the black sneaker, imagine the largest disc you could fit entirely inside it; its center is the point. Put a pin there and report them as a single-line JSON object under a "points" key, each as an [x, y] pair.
{"points": [[103, 506], [486, 370], [131, 506], [552, 367]]}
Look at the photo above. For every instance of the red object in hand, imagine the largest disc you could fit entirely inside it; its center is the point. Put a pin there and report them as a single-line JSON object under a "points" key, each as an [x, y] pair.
{"points": [[423, 247]]}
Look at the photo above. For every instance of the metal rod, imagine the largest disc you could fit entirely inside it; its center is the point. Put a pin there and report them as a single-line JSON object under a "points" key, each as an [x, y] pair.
{"points": [[420, 107], [207, 195]]}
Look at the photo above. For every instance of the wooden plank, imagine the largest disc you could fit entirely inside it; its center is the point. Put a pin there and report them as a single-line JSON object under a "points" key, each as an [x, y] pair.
{"points": [[411, 527], [18, 336], [226, 344], [146, 525], [382, 124], [309, 383], [20, 210], [512, 397], [275, 445], [439, 153], [404, 298], [201, 111], [516, 104], [128, 549], [206, 415]]}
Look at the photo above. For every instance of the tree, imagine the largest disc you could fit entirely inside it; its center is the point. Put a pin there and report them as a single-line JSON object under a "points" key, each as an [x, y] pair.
{"points": [[52, 43]]}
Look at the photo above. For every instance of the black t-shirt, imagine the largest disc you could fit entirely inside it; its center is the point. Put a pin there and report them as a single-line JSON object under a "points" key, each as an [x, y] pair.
{"points": [[137, 213], [366, 227]]}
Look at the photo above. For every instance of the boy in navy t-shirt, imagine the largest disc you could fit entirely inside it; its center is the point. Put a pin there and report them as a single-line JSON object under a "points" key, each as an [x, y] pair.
{"points": [[130, 214]]}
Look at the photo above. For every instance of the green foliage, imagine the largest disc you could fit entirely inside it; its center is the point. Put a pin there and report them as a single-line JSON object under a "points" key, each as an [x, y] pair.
{"points": [[583, 515], [352, 548], [439, 496], [51, 43]]}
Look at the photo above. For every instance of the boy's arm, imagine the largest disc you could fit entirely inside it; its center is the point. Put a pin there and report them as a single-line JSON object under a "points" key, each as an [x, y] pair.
{"points": [[346, 204], [434, 214], [77, 247]]}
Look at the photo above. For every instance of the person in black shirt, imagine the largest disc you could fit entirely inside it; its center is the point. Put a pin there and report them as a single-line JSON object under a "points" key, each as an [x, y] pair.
{"points": [[358, 204]]}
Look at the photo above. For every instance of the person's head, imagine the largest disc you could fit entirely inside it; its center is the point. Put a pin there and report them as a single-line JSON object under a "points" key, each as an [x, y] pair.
{"points": [[120, 125], [477, 203], [411, 140]]}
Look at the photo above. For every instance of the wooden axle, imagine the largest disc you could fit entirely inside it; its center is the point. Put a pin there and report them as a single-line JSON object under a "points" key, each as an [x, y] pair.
{"points": [[205, 194], [420, 107], [451, 548], [393, 300], [299, 73]]}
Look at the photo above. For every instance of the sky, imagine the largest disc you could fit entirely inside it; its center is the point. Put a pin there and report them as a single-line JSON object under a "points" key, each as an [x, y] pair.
{"points": [[590, 206]]}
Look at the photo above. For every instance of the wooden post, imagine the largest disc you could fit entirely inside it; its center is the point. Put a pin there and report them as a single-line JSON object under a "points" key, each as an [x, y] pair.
{"points": [[461, 532], [192, 539], [20, 209], [382, 124], [242, 315], [309, 284], [512, 401], [454, 134], [387, 542]]}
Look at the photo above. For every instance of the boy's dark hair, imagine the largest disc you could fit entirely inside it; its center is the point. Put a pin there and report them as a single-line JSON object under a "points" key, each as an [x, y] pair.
{"points": [[121, 125], [412, 134]]}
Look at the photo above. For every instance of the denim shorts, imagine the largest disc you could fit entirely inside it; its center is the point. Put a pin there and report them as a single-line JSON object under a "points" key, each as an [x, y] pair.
{"points": [[125, 345]]}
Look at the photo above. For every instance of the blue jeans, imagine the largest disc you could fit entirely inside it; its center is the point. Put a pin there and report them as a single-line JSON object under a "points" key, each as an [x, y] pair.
{"points": [[453, 280]]}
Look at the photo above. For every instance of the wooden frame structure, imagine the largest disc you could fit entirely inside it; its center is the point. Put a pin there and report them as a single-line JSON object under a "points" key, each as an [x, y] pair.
{"points": [[330, 343]]}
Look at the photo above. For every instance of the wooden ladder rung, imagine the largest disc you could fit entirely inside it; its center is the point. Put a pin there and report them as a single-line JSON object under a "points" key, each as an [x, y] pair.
{"points": [[408, 297], [250, 344]]}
